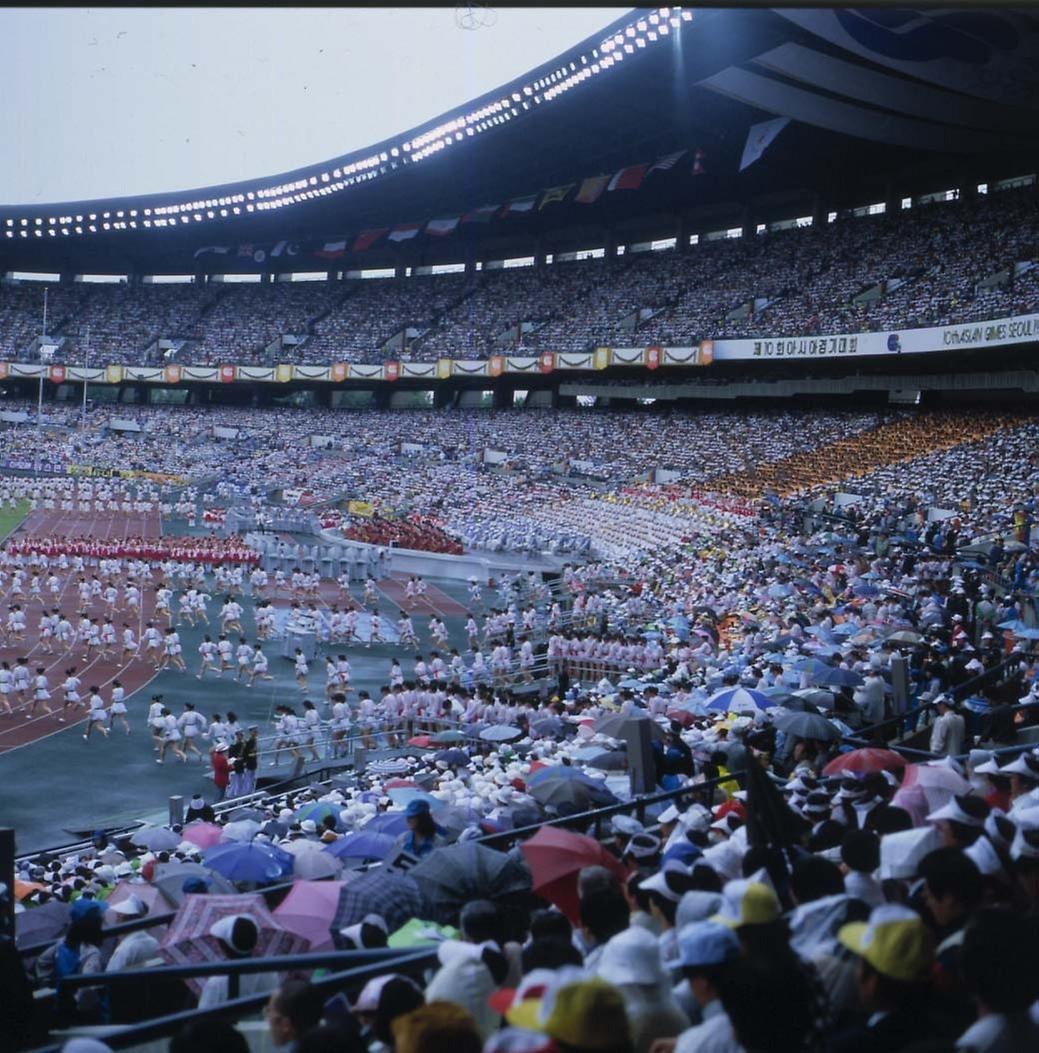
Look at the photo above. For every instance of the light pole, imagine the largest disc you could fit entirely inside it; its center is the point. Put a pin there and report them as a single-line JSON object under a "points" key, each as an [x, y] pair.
{"points": [[45, 357], [86, 366]]}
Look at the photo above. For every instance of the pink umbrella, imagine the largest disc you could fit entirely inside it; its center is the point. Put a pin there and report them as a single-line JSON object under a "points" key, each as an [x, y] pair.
{"points": [[188, 941], [927, 787], [153, 898], [308, 910], [204, 835]]}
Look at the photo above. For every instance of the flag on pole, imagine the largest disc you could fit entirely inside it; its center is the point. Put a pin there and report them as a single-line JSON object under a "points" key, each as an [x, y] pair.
{"points": [[520, 204], [404, 232], [667, 162], [591, 189], [332, 250], [441, 227], [555, 193], [367, 238], [285, 248], [483, 214], [208, 249], [628, 178], [759, 138]]}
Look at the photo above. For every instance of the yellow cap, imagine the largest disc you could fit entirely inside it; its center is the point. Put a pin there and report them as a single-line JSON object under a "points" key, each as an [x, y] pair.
{"points": [[894, 941], [589, 1014], [748, 903]]}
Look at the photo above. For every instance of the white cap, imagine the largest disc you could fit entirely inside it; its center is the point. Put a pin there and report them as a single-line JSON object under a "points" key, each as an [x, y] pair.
{"points": [[129, 906]]}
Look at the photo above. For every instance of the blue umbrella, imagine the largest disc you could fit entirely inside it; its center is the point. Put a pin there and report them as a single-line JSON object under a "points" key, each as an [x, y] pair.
{"points": [[813, 667], [652, 635], [317, 811], [778, 592], [733, 699], [866, 590], [841, 678], [363, 846], [1027, 634], [404, 795], [500, 733], [845, 629], [563, 773], [1014, 623], [632, 684], [252, 862], [392, 823]]}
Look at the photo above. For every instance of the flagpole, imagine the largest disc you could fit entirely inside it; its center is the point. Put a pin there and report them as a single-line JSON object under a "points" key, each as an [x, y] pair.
{"points": [[86, 366], [39, 400]]}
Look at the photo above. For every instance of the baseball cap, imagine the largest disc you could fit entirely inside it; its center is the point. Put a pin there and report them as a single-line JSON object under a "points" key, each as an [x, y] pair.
{"points": [[894, 941], [746, 902], [415, 807], [704, 943]]}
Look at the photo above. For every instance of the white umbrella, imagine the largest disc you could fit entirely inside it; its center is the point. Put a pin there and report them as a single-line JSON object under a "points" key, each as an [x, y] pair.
{"points": [[243, 830]]}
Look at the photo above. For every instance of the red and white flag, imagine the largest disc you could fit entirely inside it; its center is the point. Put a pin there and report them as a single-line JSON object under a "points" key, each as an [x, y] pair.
{"points": [[440, 227], [628, 178], [367, 238], [332, 250], [667, 162]]}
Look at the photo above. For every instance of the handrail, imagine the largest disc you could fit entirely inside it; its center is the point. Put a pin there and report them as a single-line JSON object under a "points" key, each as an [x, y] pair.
{"points": [[134, 1035]]}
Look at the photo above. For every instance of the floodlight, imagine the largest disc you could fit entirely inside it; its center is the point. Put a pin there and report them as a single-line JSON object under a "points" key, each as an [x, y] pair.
{"points": [[640, 43], [629, 49], [687, 16], [664, 29]]}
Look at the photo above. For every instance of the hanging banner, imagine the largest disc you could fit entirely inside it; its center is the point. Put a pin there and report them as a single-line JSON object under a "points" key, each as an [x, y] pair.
{"points": [[57, 374], [360, 508], [706, 352], [391, 370], [1023, 329], [227, 374], [547, 362], [495, 365], [3, 370], [652, 357], [283, 374], [443, 368], [339, 371], [113, 374], [602, 357]]}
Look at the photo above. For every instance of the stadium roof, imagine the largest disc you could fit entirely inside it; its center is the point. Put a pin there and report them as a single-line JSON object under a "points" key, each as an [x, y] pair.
{"points": [[880, 102]]}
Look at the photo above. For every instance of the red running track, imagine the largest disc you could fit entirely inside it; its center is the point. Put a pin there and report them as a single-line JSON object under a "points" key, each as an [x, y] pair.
{"points": [[16, 731]]}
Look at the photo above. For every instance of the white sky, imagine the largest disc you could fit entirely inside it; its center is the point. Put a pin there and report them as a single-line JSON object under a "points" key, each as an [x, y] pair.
{"points": [[104, 102]]}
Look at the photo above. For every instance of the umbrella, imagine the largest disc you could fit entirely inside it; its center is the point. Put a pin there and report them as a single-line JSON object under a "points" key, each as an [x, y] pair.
{"points": [[421, 741], [40, 924], [904, 636], [247, 812], [156, 838], [447, 738], [404, 795], [841, 678], [150, 895], [608, 760], [317, 812], [1014, 623], [307, 911], [241, 830], [807, 726], [936, 777], [450, 877], [864, 760], [816, 697], [1026, 634], [866, 590], [739, 699], [558, 794], [204, 835], [394, 896], [616, 724], [187, 942], [169, 878], [452, 758], [845, 629], [312, 862], [392, 823], [556, 857], [363, 846], [501, 733], [813, 667], [547, 726], [417, 932], [257, 863]]}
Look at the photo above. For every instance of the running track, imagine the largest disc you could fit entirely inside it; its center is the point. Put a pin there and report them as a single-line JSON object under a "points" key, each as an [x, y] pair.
{"points": [[16, 731]]}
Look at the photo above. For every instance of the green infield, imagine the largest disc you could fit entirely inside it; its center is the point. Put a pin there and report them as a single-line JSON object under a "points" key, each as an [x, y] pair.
{"points": [[11, 518]]}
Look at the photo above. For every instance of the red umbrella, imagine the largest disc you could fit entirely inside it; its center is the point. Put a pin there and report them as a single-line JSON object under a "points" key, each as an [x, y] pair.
{"points": [[864, 760], [422, 741], [556, 857], [401, 784]]}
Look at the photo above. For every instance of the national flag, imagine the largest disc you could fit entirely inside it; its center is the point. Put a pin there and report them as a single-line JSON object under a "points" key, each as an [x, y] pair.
{"points": [[332, 250], [367, 238], [759, 138], [628, 178], [520, 204], [285, 248], [698, 159], [667, 162], [483, 214], [555, 193], [245, 252], [404, 232], [218, 249], [440, 227], [591, 189]]}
